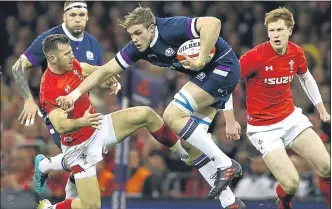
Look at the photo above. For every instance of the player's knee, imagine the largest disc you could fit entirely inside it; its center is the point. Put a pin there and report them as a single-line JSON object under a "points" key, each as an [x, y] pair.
{"points": [[167, 117], [324, 170], [147, 113], [291, 184], [142, 115]]}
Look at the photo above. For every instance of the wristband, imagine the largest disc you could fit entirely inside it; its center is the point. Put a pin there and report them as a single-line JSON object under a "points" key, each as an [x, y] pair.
{"points": [[75, 94]]}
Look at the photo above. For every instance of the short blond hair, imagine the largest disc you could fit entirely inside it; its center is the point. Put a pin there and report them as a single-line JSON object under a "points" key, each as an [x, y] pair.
{"points": [[140, 15], [280, 13]]}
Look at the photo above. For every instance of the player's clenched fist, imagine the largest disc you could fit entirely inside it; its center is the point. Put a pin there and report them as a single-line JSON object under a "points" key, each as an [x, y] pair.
{"points": [[325, 117], [92, 120], [233, 130], [65, 102]]}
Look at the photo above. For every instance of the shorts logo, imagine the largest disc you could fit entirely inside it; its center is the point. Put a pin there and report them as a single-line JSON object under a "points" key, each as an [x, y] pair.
{"points": [[84, 158], [201, 76], [222, 92], [169, 52], [89, 55]]}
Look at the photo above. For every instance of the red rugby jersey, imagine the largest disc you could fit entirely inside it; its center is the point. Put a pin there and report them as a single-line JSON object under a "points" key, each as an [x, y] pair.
{"points": [[268, 79], [54, 85]]}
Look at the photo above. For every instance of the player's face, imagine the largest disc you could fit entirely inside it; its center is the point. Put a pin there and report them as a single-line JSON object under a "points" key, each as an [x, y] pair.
{"points": [[65, 58], [75, 20], [141, 36], [279, 33]]}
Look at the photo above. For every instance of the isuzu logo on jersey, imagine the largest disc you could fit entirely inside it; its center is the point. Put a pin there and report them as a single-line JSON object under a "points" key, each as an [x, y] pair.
{"points": [[281, 80], [169, 52], [291, 65], [89, 55], [268, 68]]}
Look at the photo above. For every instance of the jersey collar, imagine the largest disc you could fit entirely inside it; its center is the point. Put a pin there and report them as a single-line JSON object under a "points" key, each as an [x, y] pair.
{"points": [[69, 34], [155, 38]]}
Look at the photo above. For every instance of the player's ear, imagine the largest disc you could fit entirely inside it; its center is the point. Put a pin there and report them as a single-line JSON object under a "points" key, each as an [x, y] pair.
{"points": [[52, 58], [64, 17], [152, 27], [290, 30]]}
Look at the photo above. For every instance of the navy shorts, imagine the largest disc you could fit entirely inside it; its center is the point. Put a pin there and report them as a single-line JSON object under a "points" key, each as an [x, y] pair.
{"points": [[55, 135], [220, 81]]}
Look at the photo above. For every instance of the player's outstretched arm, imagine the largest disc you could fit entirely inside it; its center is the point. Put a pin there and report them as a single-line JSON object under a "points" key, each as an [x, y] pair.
{"points": [[30, 108], [310, 87], [99, 76], [112, 83], [87, 69], [64, 125], [96, 78], [209, 30]]}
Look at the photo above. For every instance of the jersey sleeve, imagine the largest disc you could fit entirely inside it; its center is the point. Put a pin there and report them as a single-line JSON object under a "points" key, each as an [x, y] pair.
{"points": [[35, 51], [303, 63], [182, 27], [47, 97], [128, 55], [249, 62]]}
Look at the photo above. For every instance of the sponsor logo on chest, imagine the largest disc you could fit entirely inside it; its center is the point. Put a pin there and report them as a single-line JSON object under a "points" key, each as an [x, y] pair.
{"points": [[280, 80]]}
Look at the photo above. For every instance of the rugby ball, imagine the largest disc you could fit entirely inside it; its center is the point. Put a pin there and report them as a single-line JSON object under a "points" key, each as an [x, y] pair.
{"points": [[191, 49]]}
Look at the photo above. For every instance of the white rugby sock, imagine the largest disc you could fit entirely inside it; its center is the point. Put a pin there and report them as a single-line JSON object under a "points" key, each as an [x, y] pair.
{"points": [[52, 164], [207, 169], [71, 190], [199, 138]]}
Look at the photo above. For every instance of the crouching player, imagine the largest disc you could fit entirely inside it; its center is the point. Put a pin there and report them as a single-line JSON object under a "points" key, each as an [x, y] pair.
{"points": [[85, 134]]}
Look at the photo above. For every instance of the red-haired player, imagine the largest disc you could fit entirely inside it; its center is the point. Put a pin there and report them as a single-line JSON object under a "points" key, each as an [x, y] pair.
{"points": [[274, 123]]}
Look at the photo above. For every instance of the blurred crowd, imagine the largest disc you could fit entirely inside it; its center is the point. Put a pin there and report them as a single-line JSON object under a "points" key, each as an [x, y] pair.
{"points": [[150, 163]]}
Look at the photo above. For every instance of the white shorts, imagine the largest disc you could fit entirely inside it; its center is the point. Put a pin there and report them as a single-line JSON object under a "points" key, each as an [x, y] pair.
{"points": [[87, 154], [278, 135]]}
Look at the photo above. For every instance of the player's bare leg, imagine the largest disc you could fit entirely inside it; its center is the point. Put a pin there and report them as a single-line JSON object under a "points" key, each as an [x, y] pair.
{"points": [[177, 115], [285, 172], [129, 120], [88, 191], [309, 146]]}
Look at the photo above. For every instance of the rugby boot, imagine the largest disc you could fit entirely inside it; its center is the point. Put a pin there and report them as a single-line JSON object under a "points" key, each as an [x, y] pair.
{"points": [[238, 204], [223, 178], [39, 178]]}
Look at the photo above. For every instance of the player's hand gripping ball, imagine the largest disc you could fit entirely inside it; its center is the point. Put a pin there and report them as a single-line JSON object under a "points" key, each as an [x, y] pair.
{"points": [[191, 49]]}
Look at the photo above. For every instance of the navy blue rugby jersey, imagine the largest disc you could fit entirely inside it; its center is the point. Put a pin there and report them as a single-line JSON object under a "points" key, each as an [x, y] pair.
{"points": [[170, 34], [86, 49]]}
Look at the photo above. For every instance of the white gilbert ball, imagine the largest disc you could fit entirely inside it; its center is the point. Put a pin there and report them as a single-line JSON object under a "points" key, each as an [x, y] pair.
{"points": [[191, 49]]}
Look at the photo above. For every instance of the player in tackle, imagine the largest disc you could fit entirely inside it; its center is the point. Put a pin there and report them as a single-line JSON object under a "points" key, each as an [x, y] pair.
{"points": [[274, 123], [85, 134], [86, 49], [193, 108]]}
